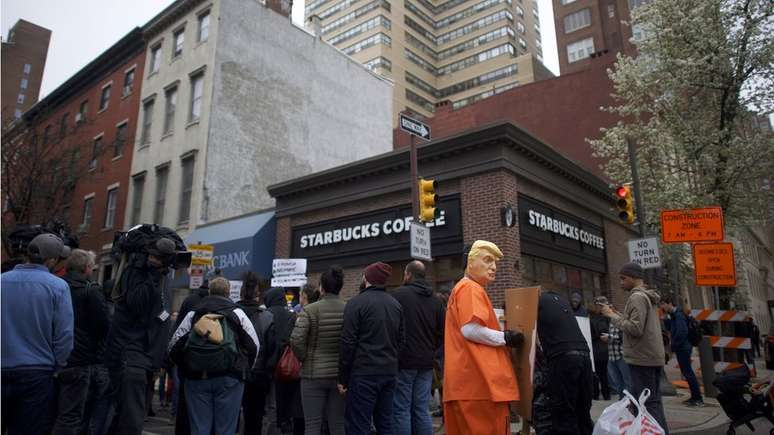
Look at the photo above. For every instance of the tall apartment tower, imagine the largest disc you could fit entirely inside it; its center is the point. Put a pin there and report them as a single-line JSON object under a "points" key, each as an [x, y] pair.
{"points": [[455, 50], [23, 59], [586, 27]]}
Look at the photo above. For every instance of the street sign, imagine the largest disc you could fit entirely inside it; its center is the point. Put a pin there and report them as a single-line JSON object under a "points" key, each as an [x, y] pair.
{"points": [[692, 225], [420, 242], [645, 252], [713, 264], [201, 255], [412, 126]]}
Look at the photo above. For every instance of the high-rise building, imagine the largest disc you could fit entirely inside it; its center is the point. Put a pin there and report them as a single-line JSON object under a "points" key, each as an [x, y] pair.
{"points": [[587, 27], [24, 55], [456, 50]]}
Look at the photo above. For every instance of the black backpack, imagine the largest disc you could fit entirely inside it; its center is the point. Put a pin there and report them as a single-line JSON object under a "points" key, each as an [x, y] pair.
{"points": [[204, 356], [694, 331], [263, 323]]}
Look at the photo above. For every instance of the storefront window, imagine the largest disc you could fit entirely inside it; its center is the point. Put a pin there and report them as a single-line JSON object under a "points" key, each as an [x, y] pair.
{"points": [[529, 267], [543, 270], [574, 278], [559, 274]]}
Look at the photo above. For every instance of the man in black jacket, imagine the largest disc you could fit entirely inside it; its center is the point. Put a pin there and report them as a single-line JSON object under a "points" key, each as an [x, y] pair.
{"points": [[215, 397], [569, 365], [91, 326], [371, 339], [424, 318]]}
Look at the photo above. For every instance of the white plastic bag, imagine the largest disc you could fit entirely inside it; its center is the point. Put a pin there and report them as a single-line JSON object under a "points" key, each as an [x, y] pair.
{"points": [[616, 419]]}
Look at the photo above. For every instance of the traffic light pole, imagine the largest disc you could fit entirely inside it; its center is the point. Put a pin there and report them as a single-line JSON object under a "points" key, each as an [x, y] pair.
{"points": [[414, 185], [636, 181]]}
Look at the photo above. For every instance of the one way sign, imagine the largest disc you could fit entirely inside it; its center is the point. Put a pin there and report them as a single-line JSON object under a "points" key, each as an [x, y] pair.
{"points": [[412, 126]]}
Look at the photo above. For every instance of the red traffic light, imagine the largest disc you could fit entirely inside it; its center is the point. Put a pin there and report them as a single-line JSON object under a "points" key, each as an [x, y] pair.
{"points": [[622, 191]]}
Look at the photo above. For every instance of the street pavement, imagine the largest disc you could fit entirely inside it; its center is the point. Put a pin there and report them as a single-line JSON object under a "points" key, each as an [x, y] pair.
{"points": [[708, 420]]}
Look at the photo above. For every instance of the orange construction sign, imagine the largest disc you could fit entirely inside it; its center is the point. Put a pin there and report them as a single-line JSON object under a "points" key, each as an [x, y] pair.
{"points": [[714, 264], [692, 225]]}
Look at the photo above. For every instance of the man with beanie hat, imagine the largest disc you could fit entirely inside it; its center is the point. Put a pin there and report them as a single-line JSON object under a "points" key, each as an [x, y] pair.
{"points": [[478, 378], [371, 339], [643, 349]]}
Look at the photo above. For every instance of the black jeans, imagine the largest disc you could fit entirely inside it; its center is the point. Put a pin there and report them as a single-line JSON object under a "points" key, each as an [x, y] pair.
{"points": [[254, 406], [569, 389], [98, 403], [600, 380], [131, 386], [369, 398], [28, 405], [73, 383], [649, 377]]}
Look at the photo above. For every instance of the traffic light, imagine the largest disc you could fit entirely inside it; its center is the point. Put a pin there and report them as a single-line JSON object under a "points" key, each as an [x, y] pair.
{"points": [[625, 203], [427, 199]]}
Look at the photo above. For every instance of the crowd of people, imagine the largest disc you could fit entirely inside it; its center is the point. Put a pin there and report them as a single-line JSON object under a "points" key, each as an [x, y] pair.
{"points": [[80, 358]]}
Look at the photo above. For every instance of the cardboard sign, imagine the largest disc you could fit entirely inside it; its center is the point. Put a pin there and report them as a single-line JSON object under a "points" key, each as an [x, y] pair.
{"points": [[714, 264], [201, 255], [235, 291], [692, 225], [521, 310], [196, 274], [288, 266]]}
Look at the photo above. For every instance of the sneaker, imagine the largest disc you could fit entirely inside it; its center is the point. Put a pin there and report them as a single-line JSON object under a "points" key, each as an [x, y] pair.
{"points": [[697, 403]]}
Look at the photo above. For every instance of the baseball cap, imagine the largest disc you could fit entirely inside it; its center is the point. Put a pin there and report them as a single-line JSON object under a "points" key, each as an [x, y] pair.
{"points": [[47, 246]]}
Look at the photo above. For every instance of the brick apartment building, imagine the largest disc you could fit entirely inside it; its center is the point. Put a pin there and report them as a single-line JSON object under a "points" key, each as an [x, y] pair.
{"points": [[562, 112], [24, 55], [91, 120], [551, 217]]}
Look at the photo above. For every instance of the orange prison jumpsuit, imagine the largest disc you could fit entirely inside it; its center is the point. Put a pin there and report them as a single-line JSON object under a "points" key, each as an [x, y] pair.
{"points": [[478, 380]]}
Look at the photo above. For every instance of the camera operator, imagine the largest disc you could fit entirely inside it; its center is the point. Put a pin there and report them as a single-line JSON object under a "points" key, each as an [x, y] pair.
{"points": [[136, 341]]}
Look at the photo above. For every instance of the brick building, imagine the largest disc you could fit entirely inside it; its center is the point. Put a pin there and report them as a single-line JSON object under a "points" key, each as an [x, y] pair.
{"points": [[562, 112], [24, 55], [90, 120], [550, 216]]}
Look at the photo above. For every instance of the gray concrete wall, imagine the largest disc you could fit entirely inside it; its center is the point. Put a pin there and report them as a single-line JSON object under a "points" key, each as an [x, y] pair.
{"points": [[285, 104]]}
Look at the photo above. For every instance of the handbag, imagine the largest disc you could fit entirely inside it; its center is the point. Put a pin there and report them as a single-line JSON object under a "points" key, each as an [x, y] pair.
{"points": [[288, 367]]}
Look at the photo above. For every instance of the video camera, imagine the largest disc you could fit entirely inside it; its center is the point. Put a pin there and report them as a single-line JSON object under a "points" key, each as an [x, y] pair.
{"points": [[149, 239]]}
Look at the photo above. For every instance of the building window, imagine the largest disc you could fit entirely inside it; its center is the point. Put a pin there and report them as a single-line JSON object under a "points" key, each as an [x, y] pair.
{"points": [[24, 83], [611, 11], [47, 134], [104, 99], [169, 110], [580, 49], [567, 2], [20, 99], [17, 114], [162, 175], [147, 121], [521, 28], [128, 82], [27, 68], [138, 186], [118, 147], [81, 116], [95, 149], [197, 86], [578, 20], [186, 189], [633, 4], [178, 39], [155, 59], [63, 125], [110, 209], [88, 206], [204, 26]]}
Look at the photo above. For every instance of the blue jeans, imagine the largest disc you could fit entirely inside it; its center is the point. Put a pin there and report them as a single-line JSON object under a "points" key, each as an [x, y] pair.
{"points": [[411, 407], [618, 375], [369, 398], [28, 405], [213, 404], [684, 359]]}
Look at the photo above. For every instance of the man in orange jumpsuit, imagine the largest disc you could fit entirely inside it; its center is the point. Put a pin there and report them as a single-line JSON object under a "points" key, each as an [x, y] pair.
{"points": [[478, 381]]}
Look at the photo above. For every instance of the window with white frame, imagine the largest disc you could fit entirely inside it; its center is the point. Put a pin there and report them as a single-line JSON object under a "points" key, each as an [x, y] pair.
{"points": [[577, 20], [88, 211], [147, 121], [155, 58], [138, 187], [204, 26], [96, 146], [169, 109], [24, 83], [580, 49], [110, 208], [118, 145], [186, 190], [104, 98], [197, 88], [128, 82], [27, 68], [178, 39], [162, 176]]}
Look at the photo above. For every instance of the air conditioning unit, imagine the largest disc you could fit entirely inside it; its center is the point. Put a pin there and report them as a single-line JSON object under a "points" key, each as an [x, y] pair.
{"points": [[127, 90], [78, 118]]}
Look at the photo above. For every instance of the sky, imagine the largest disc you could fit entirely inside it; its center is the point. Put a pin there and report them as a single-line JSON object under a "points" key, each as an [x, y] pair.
{"points": [[82, 29]]}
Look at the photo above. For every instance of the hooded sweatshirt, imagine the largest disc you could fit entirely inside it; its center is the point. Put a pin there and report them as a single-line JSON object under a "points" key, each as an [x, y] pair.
{"points": [[425, 317], [641, 327]]}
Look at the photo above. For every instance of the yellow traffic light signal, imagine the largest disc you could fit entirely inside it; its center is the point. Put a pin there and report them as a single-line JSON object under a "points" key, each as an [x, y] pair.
{"points": [[427, 200], [625, 203]]}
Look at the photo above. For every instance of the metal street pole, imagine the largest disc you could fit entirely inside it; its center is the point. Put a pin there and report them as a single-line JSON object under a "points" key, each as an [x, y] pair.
{"points": [[636, 181], [414, 185]]}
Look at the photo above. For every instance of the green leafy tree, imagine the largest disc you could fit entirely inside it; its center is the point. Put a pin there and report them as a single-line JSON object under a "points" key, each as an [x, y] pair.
{"points": [[693, 102]]}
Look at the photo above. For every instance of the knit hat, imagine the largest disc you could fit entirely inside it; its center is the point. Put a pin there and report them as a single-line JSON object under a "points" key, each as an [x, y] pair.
{"points": [[632, 270], [47, 246], [377, 273]]}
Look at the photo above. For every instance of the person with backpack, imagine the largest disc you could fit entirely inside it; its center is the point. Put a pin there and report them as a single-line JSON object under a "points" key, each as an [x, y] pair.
{"points": [[259, 380], [218, 346], [315, 341], [682, 347]]}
